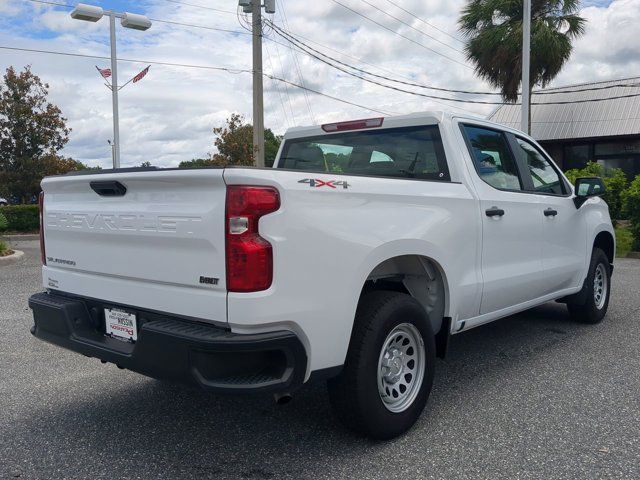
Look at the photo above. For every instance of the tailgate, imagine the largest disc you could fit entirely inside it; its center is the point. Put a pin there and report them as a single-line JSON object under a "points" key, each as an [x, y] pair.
{"points": [[159, 246]]}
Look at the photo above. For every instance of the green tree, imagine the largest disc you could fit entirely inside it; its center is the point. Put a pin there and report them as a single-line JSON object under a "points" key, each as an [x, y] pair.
{"points": [[493, 30], [196, 163], [234, 142], [614, 179], [32, 131]]}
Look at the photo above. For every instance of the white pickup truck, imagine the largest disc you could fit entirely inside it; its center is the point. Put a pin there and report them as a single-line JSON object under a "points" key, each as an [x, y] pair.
{"points": [[353, 260]]}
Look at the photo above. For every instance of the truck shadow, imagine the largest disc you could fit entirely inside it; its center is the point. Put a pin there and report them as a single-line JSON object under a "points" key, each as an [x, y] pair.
{"points": [[161, 430]]}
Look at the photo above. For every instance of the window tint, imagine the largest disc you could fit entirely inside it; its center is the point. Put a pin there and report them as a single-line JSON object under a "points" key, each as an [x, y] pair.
{"points": [[545, 178], [412, 152], [492, 158]]}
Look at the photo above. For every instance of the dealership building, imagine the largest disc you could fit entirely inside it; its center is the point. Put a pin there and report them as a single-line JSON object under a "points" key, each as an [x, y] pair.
{"points": [[575, 131]]}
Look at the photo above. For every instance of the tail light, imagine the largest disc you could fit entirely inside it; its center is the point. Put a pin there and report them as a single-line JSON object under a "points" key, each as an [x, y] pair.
{"points": [[353, 125], [249, 256], [41, 209]]}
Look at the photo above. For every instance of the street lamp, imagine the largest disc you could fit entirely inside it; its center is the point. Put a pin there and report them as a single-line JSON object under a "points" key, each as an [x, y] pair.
{"points": [[92, 13]]}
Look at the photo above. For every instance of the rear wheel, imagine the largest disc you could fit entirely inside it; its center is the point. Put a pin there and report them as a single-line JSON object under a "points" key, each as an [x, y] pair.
{"points": [[388, 372], [595, 300]]}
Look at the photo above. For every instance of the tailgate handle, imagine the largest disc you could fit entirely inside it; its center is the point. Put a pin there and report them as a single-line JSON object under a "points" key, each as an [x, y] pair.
{"points": [[109, 188]]}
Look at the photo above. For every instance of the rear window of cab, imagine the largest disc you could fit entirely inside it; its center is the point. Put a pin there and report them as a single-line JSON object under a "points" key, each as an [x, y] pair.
{"points": [[408, 152]]}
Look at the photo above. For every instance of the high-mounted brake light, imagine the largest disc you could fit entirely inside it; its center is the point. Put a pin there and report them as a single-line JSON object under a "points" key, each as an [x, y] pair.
{"points": [[353, 125], [43, 256], [249, 256]]}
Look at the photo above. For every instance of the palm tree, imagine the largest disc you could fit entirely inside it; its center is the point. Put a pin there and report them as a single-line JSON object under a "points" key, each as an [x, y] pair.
{"points": [[493, 31]]}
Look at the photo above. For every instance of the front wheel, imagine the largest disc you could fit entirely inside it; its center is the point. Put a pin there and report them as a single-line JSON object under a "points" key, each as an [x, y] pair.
{"points": [[388, 372], [597, 287]]}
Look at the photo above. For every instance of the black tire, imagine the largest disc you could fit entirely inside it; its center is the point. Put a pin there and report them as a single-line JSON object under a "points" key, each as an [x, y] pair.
{"points": [[586, 310], [354, 393]]}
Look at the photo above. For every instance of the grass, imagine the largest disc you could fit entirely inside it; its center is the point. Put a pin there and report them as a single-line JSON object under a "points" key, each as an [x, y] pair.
{"points": [[4, 249], [624, 241]]}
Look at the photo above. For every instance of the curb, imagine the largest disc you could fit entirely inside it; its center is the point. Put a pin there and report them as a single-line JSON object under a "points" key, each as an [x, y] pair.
{"points": [[635, 255], [13, 258], [28, 236]]}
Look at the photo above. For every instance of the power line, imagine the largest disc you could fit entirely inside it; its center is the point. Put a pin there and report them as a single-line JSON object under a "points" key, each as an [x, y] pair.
{"points": [[303, 46], [330, 96], [286, 87], [413, 28], [551, 91], [190, 25], [206, 67], [291, 38], [201, 6], [379, 67], [459, 100], [435, 101], [152, 62], [284, 110], [169, 22], [391, 87], [401, 35], [424, 21], [52, 3], [283, 16]]}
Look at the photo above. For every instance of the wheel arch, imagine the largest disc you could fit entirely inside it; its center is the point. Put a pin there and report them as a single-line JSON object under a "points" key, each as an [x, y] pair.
{"points": [[606, 242], [423, 278]]}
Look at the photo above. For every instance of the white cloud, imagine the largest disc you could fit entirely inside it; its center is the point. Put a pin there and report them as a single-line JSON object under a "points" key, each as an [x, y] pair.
{"points": [[169, 115]]}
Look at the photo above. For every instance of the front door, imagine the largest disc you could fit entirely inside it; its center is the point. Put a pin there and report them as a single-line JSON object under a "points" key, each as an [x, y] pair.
{"points": [[564, 253]]}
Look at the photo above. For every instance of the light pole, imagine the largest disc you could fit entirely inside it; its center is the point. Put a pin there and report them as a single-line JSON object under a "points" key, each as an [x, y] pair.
{"points": [[526, 57], [92, 13], [255, 8]]}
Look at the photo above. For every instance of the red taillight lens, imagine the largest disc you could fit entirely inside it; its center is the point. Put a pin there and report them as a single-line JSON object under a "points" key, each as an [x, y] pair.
{"points": [[353, 125], [249, 256], [43, 256]]}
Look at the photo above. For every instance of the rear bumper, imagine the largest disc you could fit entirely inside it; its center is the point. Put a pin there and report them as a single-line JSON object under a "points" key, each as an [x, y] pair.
{"points": [[175, 349]]}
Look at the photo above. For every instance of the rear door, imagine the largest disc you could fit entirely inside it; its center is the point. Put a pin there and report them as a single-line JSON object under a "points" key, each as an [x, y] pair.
{"points": [[512, 270], [149, 239]]}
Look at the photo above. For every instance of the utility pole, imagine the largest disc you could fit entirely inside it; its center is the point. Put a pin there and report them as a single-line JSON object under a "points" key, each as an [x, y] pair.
{"points": [[114, 92], [526, 60], [113, 155], [258, 98]]}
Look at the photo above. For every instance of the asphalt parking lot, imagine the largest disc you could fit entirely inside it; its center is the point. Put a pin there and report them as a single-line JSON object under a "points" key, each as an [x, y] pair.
{"points": [[531, 396]]}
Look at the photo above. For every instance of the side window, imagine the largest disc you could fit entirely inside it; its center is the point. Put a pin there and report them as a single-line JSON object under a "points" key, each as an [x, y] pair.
{"points": [[492, 158], [545, 178]]}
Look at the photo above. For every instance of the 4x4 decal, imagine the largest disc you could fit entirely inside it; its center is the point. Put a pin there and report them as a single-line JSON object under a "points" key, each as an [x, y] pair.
{"points": [[317, 183]]}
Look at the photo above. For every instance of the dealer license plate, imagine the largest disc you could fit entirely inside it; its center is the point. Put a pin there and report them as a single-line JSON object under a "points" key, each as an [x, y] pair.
{"points": [[121, 324]]}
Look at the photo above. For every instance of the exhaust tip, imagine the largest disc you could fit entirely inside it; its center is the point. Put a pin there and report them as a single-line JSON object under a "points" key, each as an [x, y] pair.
{"points": [[282, 398]]}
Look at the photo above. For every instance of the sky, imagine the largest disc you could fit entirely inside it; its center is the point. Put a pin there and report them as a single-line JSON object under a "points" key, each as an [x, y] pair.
{"points": [[168, 116]]}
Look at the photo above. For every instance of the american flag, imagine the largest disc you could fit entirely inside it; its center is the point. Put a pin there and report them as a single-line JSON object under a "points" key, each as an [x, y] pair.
{"points": [[105, 72], [139, 76]]}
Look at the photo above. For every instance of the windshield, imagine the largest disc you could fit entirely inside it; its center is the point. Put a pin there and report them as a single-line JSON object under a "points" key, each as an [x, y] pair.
{"points": [[409, 152]]}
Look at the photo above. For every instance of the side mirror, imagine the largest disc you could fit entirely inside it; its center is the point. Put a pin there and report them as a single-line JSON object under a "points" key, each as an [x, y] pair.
{"points": [[587, 187]]}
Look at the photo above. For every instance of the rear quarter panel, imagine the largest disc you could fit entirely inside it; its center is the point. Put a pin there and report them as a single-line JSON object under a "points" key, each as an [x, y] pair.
{"points": [[327, 241]]}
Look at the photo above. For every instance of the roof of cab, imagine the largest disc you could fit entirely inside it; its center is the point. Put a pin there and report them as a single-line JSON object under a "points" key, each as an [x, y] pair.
{"points": [[435, 116]]}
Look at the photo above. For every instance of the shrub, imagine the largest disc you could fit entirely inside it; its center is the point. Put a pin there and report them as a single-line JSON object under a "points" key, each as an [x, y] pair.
{"points": [[22, 218], [624, 241], [4, 224], [632, 209], [3, 248], [615, 181]]}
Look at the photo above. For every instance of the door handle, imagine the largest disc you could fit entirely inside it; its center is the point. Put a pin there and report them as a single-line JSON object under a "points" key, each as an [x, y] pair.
{"points": [[108, 188], [494, 212], [550, 212]]}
